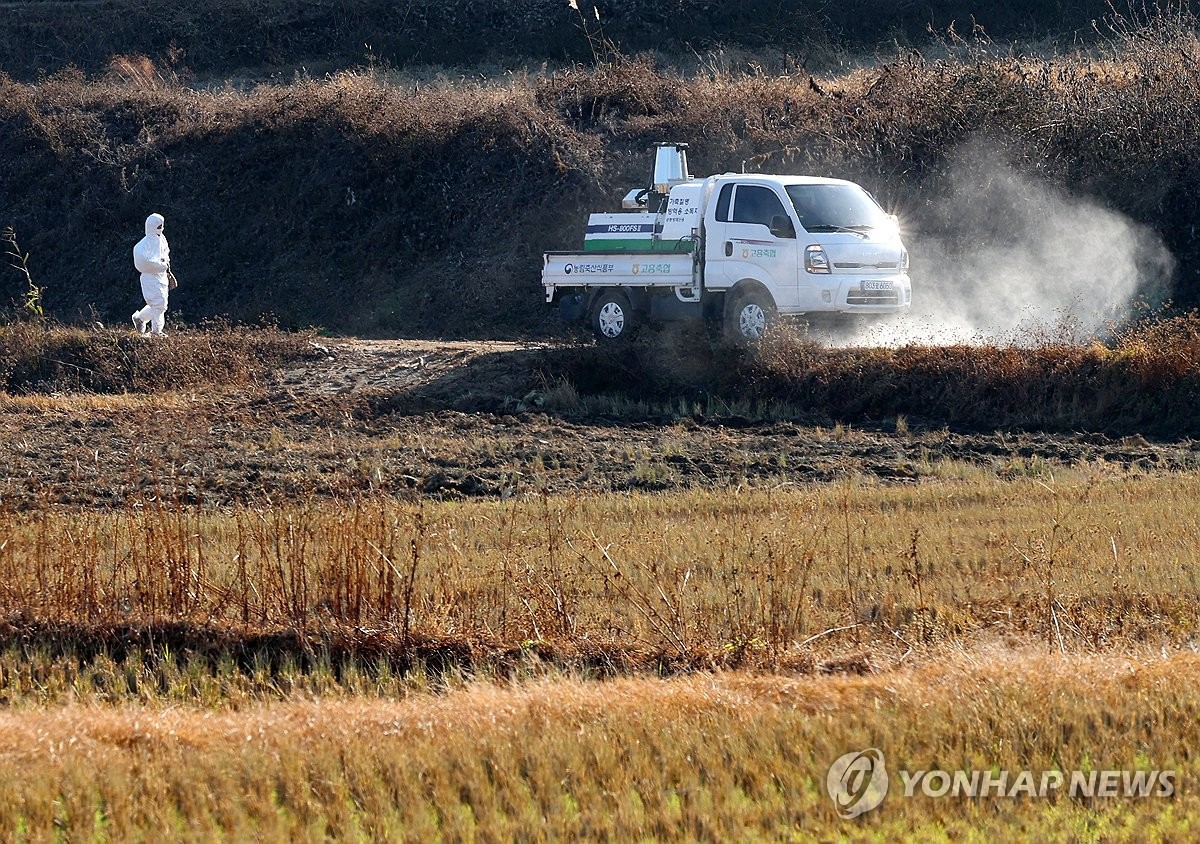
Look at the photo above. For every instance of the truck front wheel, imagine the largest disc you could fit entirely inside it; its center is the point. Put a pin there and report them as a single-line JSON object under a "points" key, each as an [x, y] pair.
{"points": [[612, 316], [749, 317]]}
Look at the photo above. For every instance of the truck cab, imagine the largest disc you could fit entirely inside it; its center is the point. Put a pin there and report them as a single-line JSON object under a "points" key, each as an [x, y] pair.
{"points": [[739, 248], [801, 245]]}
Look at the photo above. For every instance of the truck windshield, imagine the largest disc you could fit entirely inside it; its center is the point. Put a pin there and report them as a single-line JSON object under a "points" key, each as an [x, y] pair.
{"points": [[831, 208]]}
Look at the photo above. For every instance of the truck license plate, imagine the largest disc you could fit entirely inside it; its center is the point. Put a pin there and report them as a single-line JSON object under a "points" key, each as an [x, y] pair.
{"points": [[877, 285]]}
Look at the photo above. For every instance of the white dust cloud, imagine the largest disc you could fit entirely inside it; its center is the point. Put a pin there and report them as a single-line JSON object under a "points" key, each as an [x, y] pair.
{"points": [[1008, 258]]}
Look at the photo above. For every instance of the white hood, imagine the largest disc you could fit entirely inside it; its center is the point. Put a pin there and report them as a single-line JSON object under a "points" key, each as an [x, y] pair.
{"points": [[152, 255], [851, 253]]}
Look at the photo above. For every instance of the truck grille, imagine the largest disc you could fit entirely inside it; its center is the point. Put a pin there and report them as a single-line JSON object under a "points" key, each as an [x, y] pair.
{"points": [[851, 265], [872, 297]]}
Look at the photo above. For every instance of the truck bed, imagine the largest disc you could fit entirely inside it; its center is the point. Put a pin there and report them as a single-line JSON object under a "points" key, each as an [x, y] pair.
{"points": [[563, 270]]}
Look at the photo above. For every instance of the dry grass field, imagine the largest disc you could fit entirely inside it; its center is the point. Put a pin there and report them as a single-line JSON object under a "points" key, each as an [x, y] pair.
{"points": [[499, 583], [661, 667], [1088, 559], [707, 757], [669, 637]]}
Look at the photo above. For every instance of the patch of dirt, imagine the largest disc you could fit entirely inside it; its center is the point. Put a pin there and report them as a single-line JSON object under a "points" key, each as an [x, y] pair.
{"points": [[349, 366], [458, 420]]}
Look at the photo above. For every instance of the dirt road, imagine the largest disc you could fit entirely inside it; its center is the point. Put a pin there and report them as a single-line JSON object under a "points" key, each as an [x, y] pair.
{"points": [[459, 419]]}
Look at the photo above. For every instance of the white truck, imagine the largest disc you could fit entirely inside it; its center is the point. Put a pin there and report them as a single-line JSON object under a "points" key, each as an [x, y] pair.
{"points": [[738, 248]]}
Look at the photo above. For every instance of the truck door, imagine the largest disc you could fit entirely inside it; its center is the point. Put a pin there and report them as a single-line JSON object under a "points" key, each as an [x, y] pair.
{"points": [[746, 248], [716, 242]]}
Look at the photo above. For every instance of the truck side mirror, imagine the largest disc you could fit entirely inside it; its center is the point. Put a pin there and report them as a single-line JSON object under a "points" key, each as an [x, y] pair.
{"points": [[781, 226]]}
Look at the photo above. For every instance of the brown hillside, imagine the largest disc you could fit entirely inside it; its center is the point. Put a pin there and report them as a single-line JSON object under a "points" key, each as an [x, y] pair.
{"points": [[371, 203]]}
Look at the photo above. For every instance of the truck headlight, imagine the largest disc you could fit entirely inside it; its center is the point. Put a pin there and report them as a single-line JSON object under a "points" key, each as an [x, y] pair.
{"points": [[903, 260], [815, 260]]}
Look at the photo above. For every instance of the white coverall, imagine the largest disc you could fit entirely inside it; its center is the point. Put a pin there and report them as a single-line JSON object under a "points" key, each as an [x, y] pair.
{"points": [[152, 258]]}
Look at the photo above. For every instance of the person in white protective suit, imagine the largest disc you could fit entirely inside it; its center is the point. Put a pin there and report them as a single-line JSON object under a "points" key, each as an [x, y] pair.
{"points": [[152, 258]]}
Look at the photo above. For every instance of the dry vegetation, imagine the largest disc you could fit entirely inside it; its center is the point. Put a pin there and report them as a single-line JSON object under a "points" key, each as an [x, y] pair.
{"points": [[394, 185], [246, 590], [1144, 379], [362, 659], [702, 758], [377, 669], [855, 574], [450, 421], [47, 36], [39, 358]]}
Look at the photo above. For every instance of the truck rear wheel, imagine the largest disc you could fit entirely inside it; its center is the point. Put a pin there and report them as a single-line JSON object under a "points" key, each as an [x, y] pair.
{"points": [[749, 317], [612, 316]]}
